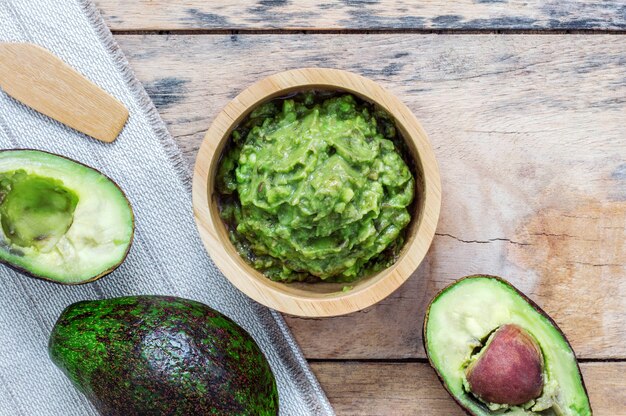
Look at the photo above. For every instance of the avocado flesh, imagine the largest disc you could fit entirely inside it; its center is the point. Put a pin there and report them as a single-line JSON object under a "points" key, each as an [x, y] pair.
{"points": [[158, 355], [60, 220], [459, 322], [35, 211]]}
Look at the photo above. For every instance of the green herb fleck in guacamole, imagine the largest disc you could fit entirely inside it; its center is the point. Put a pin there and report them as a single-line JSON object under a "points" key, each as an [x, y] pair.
{"points": [[314, 187]]}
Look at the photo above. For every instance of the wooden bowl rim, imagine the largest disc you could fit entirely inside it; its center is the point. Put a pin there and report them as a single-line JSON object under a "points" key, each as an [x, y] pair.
{"points": [[281, 296]]}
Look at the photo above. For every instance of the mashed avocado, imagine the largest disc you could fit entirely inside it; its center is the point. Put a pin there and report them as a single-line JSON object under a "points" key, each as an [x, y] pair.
{"points": [[314, 187]]}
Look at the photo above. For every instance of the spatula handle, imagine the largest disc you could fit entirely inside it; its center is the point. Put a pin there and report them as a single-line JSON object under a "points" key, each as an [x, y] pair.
{"points": [[37, 78]]}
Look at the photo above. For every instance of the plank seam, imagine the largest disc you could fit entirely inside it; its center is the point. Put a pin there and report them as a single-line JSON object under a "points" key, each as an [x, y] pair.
{"points": [[386, 31], [425, 360]]}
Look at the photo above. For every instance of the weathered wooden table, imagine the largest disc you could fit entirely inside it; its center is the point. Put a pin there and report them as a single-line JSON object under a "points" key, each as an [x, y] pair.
{"points": [[525, 105]]}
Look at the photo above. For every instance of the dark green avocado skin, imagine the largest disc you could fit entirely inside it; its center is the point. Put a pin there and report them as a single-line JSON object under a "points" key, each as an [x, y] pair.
{"points": [[157, 355]]}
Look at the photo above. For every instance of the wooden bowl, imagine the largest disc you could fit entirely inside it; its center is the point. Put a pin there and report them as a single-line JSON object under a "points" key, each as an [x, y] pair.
{"points": [[316, 299]]}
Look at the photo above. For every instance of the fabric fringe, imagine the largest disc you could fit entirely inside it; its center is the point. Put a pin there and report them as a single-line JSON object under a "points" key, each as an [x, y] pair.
{"points": [[157, 124], [289, 350]]}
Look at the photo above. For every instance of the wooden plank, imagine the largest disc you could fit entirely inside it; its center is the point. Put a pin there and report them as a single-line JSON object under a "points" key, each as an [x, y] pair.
{"points": [[413, 389], [529, 134], [359, 14]]}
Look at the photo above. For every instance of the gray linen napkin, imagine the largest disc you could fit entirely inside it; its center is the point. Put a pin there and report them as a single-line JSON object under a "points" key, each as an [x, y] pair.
{"points": [[167, 256]]}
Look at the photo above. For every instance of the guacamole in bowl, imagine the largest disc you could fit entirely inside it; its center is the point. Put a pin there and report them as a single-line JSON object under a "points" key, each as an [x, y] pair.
{"points": [[316, 187]]}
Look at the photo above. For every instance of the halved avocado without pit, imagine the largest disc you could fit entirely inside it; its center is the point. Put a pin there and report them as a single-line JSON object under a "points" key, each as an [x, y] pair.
{"points": [[61, 220], [498, 353]]}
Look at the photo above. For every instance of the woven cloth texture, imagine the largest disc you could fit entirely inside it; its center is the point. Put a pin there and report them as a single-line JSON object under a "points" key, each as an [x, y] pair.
{"points": [[167, 256]]}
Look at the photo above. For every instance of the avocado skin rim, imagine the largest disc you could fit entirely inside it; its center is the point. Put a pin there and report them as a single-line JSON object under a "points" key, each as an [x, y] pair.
{"points": [[104, 273], [523, 296]]}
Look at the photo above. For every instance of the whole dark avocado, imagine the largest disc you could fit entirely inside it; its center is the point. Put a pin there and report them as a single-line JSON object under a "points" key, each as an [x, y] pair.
{"points": [[157, 355]]}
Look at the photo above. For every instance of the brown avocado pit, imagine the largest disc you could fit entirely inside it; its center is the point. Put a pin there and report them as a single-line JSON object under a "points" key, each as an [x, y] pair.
{"points": [[509, 369]]}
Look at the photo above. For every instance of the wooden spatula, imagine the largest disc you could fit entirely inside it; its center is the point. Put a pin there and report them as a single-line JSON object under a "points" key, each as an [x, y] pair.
{"points": [[37, 78]]}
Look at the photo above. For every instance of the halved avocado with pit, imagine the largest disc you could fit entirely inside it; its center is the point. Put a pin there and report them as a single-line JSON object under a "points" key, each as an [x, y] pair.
{"points": [[61, 220], [498, 353]]}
